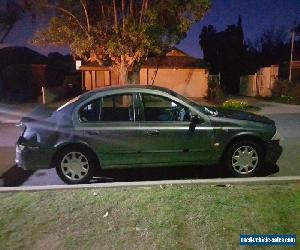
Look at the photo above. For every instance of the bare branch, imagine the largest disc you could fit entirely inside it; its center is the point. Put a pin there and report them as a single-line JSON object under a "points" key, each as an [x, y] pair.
{"points": [[115, 15], [146, 4], [65, 11], [142, 11], [102, 10], [86, 16], [131, 7], [123, 14], [8, 29]]}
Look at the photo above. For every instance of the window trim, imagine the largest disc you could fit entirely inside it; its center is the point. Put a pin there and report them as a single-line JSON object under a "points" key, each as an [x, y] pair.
{"points": [[100, 98]]}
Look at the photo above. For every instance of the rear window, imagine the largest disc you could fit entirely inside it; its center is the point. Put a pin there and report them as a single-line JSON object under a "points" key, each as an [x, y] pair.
{"points": [[68, 103], [109, 108]]}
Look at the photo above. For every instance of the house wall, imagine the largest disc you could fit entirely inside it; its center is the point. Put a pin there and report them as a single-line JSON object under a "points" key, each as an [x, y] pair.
{"points": [[261, 84], [98, 79], [114, 78], [88, 80], [248, 85], [188, 82]]}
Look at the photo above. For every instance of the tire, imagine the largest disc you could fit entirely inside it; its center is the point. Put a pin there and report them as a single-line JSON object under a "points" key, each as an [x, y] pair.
{"points": [[244, 159], [75, 165]]}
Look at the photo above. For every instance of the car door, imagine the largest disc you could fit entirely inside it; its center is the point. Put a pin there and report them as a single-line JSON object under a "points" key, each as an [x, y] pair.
{"points": [[167, 135], [110, 129]]}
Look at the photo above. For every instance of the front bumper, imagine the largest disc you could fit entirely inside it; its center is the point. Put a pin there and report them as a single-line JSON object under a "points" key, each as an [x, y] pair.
{"points": [[32, 158], [273, 152]]}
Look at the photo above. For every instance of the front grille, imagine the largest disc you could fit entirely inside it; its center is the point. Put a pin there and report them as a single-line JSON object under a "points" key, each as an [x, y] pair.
{"points": [[276, 142]]}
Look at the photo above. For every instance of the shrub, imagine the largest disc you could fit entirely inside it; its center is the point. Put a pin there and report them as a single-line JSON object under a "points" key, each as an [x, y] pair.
{"points": [[277, 88], [214, 91], [287, 99], [235, 104], [286, 91]]}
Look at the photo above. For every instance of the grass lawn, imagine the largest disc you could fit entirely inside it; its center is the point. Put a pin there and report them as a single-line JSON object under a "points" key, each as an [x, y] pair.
{"points": [[168, 217]]}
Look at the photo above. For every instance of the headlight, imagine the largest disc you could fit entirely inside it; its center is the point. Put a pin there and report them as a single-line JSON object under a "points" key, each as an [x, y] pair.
{"points": [[276, 137]]}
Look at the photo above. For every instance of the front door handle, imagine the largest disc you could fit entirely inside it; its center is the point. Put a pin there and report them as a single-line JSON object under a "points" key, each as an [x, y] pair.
{"points": [[92, 132], [153, 132]]}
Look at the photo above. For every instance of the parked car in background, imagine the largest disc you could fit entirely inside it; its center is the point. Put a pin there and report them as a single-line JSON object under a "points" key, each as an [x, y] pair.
{"points": [[138, 126]]}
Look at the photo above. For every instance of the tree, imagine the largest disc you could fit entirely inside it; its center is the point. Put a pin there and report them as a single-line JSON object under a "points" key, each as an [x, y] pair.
{"points": [[209, 43], [225, 51], [122, 33], [272, 46], [10, 13]]}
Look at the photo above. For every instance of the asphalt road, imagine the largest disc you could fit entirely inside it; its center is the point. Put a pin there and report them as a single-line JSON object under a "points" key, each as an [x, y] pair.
{"points": [[287, 118]]}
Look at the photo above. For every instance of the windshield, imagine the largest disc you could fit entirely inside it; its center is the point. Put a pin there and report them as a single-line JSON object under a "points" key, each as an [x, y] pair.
{"points": [[204, 109], [189, 101]]}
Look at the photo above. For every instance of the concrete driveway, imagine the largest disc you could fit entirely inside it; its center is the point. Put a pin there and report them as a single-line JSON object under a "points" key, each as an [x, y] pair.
{"points": [[287, 118]]}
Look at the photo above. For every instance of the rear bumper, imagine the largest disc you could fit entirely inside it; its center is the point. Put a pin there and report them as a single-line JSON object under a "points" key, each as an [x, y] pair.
{"points": [[32, 158], [273, 152]]}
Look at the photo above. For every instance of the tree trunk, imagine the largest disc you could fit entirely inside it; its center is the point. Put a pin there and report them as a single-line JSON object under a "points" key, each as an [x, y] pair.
{"points": [[123, 73]]}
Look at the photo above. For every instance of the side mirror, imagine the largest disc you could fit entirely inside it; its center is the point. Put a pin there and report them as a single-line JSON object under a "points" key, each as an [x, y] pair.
{"points": [[195, 119]]}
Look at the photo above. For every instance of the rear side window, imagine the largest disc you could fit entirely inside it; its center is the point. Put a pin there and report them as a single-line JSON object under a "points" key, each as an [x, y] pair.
{"points": [[108, 108]]}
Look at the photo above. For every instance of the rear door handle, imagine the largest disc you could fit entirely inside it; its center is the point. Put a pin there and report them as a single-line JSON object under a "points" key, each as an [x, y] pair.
{"points": [[153, 132]]}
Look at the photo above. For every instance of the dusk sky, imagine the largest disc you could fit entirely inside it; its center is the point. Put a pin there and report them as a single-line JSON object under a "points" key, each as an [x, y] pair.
{"points": [[257, 15]]}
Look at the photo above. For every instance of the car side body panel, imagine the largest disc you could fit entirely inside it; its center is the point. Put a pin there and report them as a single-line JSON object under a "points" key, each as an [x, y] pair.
{"points": [[138, 143]]}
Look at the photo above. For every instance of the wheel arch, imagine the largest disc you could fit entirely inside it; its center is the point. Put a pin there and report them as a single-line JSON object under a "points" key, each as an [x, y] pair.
{"points": [[62, 146], [244, 137]]}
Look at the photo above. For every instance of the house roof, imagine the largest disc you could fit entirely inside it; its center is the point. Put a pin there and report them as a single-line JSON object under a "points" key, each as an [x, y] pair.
{"points": [[175, 58]]}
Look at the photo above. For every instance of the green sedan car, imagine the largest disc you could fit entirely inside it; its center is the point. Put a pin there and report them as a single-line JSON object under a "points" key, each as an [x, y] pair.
{"points": [[139, 126]]}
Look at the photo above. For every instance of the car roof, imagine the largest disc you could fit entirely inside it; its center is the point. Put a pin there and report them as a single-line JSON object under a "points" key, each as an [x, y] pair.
{"points": [[130, 86], [125, 87]]}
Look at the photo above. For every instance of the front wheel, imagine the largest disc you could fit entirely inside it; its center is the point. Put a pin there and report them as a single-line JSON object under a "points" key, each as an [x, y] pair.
{"points": [[74, 165], [243, 159]]}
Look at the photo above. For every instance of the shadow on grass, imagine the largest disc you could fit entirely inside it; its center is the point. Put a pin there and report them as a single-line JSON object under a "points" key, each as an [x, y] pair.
{"points": [[15, 176], [169, 173]]}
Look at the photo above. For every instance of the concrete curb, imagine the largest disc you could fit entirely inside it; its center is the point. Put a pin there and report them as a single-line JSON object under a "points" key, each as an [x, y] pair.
{"points": [[223, 181], [10, 121]]}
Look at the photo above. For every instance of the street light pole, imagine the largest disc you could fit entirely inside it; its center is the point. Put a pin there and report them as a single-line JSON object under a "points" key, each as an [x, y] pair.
{"points": [[291, 60]]}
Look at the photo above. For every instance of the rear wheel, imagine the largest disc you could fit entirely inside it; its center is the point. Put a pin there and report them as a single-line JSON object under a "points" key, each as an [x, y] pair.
{"points": [[74, 165], [244, 159]]}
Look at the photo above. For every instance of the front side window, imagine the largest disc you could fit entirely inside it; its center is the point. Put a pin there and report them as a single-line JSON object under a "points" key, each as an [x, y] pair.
{"points": [[108, 108], [158, 108]]}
